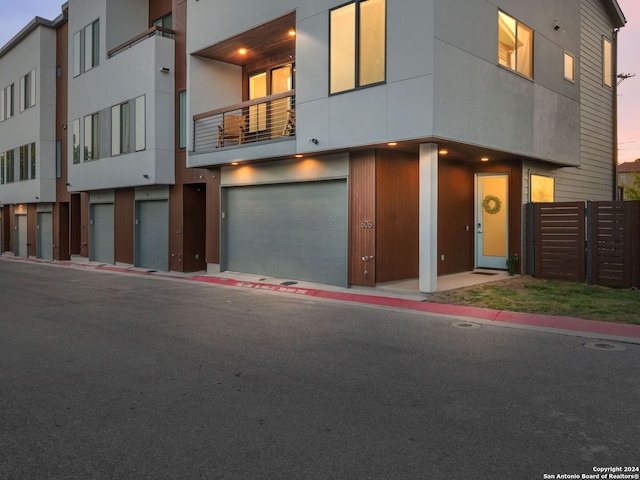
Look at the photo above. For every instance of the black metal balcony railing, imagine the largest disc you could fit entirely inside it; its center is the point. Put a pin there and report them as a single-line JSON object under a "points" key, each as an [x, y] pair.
{"points": [[264, 119], [155, 30]]}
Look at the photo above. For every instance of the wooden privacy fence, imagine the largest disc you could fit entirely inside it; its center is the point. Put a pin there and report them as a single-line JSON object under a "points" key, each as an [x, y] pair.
{"points": [[599, 242]]}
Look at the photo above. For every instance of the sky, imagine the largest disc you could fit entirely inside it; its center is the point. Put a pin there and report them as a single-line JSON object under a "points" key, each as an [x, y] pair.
{"points": [[16, 14]]}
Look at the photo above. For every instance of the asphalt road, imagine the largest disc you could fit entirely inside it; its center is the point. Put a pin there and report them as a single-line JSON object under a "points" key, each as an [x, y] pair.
{"points": [[112, 376]]}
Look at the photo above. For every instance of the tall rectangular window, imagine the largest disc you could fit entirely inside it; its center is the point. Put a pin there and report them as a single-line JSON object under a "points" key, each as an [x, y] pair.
{"points": [[28, 90], [141, 123], [58, 158], [515, 45], [9, 101], [24, 162], [183, 120], [91, 144], [91, 45], [120, 129], [75, 140], [2, 108], [357, 45], [2, 168], [607, 64], [569, 67], [77, 54], [32, 160], [10, 167]]}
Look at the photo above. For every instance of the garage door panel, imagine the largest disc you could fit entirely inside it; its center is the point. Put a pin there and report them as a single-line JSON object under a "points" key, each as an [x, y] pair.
{"points": [[102, 233], [152, 235], [294, 230]]}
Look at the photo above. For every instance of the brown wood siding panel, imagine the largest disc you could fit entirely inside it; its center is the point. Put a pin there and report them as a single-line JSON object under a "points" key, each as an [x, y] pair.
{"points": [[397, 217], [62, 87], [84, 224], [194, 220], [455, 213], [559, 241], [32, 229], [213, 216], [124, 223], [615, 236], [159, 8], [61, 242], [75, 227], [6, 229], [362, 201]]}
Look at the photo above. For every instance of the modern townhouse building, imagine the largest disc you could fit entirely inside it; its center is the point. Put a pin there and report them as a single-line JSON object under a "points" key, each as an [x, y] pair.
{"points": [[126, 155], [30, 156], [364, 141], [343, 142]]}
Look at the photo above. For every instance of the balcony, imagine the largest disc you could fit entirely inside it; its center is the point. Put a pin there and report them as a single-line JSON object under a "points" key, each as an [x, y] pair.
{"points": [[268, 123], [151, 32]]}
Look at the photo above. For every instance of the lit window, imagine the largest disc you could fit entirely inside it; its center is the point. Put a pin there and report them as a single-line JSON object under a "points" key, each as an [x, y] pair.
{"points": [[607, 65], [542, 188], [515, 45], [569, 67], [358, 51]]}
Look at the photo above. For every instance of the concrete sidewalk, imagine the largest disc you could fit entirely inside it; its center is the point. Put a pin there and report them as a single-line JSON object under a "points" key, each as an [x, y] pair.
{"points": [[384, 297]]}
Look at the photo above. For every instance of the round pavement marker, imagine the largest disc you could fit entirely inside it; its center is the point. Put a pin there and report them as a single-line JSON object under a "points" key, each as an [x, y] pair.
{"points": [[466, 325], [602, 345]]}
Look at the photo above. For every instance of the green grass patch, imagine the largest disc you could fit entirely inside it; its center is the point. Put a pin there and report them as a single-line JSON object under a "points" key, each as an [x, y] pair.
{"points": [[551, 297]]}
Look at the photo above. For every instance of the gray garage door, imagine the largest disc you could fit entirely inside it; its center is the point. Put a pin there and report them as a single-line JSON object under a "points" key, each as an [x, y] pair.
{"points": [[152, 234], [21, 241], [295, 230], [45, 236], [102, 239]]}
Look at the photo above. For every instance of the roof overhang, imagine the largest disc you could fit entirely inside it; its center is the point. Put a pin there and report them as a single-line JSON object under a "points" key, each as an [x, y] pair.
{"points": [[615, 12]]}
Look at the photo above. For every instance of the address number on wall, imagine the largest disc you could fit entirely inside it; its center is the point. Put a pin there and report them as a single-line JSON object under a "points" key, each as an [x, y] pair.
{"points": [[366, 224]]}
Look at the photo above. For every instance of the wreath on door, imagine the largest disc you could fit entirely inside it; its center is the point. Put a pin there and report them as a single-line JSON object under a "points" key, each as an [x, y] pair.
{"points": [[491, 204]]}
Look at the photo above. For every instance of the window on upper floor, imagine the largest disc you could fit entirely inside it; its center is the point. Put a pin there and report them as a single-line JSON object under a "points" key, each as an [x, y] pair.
{"points": [[75, 140], [86, 48], [7, 102], [607, 64], [166, 21], [2, 168], [515, 45], [120, 129], [58, 158], [91, 145], [569, 67], [182, 136], [32, 160], [24, 162], [141, 123], [9, 161], [357, 45], [28, 90]]}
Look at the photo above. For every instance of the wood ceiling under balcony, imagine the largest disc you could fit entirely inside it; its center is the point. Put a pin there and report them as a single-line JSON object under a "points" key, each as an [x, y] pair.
{"points": [[262, 41]]}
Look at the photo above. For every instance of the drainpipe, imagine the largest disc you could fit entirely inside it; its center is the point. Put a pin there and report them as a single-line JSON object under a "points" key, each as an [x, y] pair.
{"points": [[615, 113]]}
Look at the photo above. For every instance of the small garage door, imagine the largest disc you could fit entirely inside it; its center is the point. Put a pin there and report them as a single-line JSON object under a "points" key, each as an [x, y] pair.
{"points": [[45, 236], [152, 234], [102, 240], [295, 230]]}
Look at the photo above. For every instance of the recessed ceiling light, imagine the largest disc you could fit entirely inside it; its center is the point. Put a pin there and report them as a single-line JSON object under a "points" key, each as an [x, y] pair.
{"points": [[234, 163], [292, 33], [392, 144], [443, 152], [484, 159], [242, 51], [299, 155]]}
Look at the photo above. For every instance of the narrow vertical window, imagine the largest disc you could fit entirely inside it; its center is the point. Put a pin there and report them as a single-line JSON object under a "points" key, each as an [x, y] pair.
{"points": [[91, 137], [32, 89], [75, 140], [2, 107], [120, 129], [515, 45], [607, 65], [77, 54], [2, 168], [91, 45], [343, 48], [141, 123], [10, 167], [58, 158], [183, 120], [24, 162], [9, 101], [569, 67], [372, 42], [32, 160], [23, 92]]}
